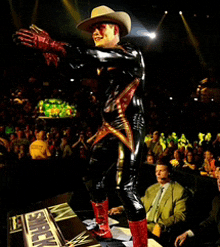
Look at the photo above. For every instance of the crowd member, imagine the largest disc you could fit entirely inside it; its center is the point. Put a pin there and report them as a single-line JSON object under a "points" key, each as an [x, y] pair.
{"points": [[23, 153], [209, 164], [39, 149], [199, 156], [207, 233], [177, 162], [21, 140], [13, 137], [65, 148], [165, 204], [146, 175], [16, 151], [55, 149], [154, 145], [189, 161], [150, 159], [81, 141]]}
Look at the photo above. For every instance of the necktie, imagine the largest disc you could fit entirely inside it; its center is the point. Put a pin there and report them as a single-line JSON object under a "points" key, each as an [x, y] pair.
{"points": [[155, 206]]}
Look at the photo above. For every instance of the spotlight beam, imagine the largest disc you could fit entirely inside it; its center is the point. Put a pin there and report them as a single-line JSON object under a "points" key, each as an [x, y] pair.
{"points": [[159, 25], [72, 10], [17, 21], [34, 15], [194, 41]]}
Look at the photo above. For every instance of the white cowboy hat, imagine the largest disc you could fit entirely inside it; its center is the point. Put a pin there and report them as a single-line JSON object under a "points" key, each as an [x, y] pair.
{"points": [[105, 14]]}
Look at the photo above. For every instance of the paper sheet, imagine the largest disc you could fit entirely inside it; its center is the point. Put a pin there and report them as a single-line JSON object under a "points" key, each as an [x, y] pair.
{"points": [[111, 221], [121, 233]]}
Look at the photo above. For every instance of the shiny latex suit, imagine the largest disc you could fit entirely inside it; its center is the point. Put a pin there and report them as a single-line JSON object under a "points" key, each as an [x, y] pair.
{"points": [[119, 142]]}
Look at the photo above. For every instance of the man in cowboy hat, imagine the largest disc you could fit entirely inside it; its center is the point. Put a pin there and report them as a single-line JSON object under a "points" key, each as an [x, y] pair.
{"points": [[119, 142]]}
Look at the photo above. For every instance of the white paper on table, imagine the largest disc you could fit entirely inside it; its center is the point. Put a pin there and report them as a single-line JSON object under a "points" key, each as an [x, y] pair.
{"points": [[151, 243], [88, 222], [111, 221], [128, 244], [121, 233]]}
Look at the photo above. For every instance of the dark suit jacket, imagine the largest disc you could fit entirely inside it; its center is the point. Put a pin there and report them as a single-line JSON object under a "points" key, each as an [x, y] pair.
{"points": [[210, 226]]}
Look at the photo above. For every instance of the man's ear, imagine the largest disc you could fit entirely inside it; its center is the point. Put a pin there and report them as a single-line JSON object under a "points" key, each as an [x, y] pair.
{"points": [[116, 30]]}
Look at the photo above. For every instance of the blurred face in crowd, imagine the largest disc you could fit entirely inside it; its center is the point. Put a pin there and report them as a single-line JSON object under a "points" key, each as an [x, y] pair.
{"points": [[190, 157], [177, 155], [150, 159], [162, 174], [105, 35], [155, 136], [208, 155]]}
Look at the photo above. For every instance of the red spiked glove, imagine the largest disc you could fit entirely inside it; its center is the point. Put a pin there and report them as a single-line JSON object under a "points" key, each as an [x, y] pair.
{"points": [[40, 39]]}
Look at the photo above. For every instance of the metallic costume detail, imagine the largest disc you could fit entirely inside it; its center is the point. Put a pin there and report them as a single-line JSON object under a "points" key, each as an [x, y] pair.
{"points": [[122, 103], [120, 164]]}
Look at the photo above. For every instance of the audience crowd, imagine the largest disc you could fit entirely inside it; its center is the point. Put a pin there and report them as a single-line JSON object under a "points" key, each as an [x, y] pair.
{"points": [[72, 138]]}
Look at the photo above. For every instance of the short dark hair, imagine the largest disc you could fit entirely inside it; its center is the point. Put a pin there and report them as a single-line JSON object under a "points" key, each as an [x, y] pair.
{"points": [[164, 160]]}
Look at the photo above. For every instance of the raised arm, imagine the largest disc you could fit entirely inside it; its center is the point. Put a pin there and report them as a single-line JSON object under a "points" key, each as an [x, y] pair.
{"points": [[39, 39]]}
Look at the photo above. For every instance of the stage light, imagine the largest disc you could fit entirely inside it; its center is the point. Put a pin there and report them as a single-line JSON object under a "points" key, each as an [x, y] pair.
{"points": [[180, 12], [165, 12], [152, 35], [171, 98], [196, 99]]}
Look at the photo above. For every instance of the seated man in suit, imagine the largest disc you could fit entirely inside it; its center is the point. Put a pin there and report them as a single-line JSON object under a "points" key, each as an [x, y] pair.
{"points": [[208, 232], [165, 204]]}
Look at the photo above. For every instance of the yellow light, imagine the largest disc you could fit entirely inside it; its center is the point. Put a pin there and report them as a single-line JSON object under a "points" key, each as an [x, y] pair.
{"points": [[152, 35], [72, 10]]}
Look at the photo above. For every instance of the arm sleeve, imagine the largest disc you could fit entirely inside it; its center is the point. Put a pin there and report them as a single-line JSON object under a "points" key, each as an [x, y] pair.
{"points": [[120, 56]]}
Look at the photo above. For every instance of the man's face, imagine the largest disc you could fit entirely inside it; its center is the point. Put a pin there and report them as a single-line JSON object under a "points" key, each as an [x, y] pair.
{"points": [[104, 35], [162, 174]]}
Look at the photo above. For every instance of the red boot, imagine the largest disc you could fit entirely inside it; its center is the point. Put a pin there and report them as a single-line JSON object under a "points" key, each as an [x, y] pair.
{"points": [[101, 215], [139, 232]]}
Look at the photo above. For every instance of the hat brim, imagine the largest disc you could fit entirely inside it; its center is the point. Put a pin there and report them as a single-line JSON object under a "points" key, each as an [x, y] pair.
{"points": [[120, 18]]}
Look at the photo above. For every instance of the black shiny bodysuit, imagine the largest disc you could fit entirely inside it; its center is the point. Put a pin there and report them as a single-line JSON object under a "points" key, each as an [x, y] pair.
{"points": [[119, 142]]}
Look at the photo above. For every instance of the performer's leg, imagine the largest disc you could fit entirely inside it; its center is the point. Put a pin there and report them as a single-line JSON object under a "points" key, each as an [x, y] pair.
{"points": [[102, 160], [126, 185]]}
